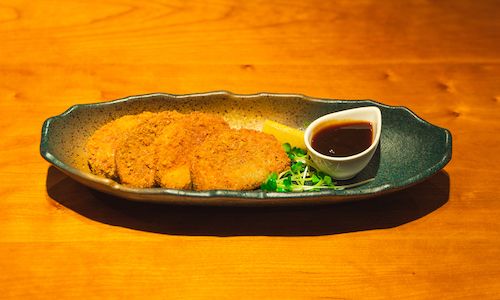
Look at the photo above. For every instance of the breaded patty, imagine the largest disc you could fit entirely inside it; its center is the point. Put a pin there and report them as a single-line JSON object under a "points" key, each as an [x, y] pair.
{"points": [[136, 156], [101, 146], [237, 159], [196, 151], [176, 143]]}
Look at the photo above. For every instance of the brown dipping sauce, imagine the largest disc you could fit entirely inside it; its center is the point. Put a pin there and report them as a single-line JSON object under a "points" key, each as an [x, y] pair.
{"points": [[343, 139]]}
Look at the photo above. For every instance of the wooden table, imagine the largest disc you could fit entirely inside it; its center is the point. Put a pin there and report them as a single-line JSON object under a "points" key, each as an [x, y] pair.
{"points": [[439, 239]]}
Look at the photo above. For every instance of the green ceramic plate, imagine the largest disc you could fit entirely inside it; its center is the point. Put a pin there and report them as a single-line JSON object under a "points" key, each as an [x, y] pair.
{"points": [[410, 149]]}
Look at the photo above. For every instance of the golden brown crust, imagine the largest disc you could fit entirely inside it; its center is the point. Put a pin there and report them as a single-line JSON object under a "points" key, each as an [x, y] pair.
{"points": [[238, 159], [177, 141], [136, 156], [101, 146], [196, 151]]}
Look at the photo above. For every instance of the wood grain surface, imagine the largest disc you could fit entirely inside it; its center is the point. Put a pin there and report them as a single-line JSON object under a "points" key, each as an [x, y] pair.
{"points": [[439, 239]]}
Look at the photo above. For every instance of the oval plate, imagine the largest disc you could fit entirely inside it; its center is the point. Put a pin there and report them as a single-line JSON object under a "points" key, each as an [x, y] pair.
{"points": [[410, 149]]}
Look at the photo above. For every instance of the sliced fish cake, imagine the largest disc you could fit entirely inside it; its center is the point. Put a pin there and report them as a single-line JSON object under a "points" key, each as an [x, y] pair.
{"points": [[178, 141], [237, 159], [101, 146], [136, 156]]}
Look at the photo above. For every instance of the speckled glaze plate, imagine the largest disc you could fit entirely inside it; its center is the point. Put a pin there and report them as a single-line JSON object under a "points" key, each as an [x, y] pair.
{"points": [[410, 149]]}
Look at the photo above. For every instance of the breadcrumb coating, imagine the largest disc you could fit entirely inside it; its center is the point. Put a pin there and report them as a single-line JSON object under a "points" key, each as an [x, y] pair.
{"points": [[177, 141], [196, 151], [101, 146], [237, 159], [136, 156]]}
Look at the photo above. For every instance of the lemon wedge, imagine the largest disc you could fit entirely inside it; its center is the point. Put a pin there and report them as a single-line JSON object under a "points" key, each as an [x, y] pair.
{"points": [[285, 134]]}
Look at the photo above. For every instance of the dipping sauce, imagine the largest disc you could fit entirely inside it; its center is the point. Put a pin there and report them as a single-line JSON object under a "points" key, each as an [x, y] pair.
{"points": [[343, 139]]}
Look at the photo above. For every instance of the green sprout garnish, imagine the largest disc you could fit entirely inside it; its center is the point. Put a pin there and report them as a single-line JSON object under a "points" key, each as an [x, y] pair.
{"points": [[303, 175]]}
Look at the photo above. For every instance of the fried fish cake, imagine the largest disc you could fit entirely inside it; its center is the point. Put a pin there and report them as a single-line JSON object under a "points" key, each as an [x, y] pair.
{"points": [[136, 156], [177, 142], [237, 159], [101, 146]]}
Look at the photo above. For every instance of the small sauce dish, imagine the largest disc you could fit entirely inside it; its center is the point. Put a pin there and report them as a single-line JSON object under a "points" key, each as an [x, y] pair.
{"points": [[344, 167]]}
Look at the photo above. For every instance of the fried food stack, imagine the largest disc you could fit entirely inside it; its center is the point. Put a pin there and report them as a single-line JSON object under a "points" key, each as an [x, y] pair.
{"points": [[195, 151]]}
